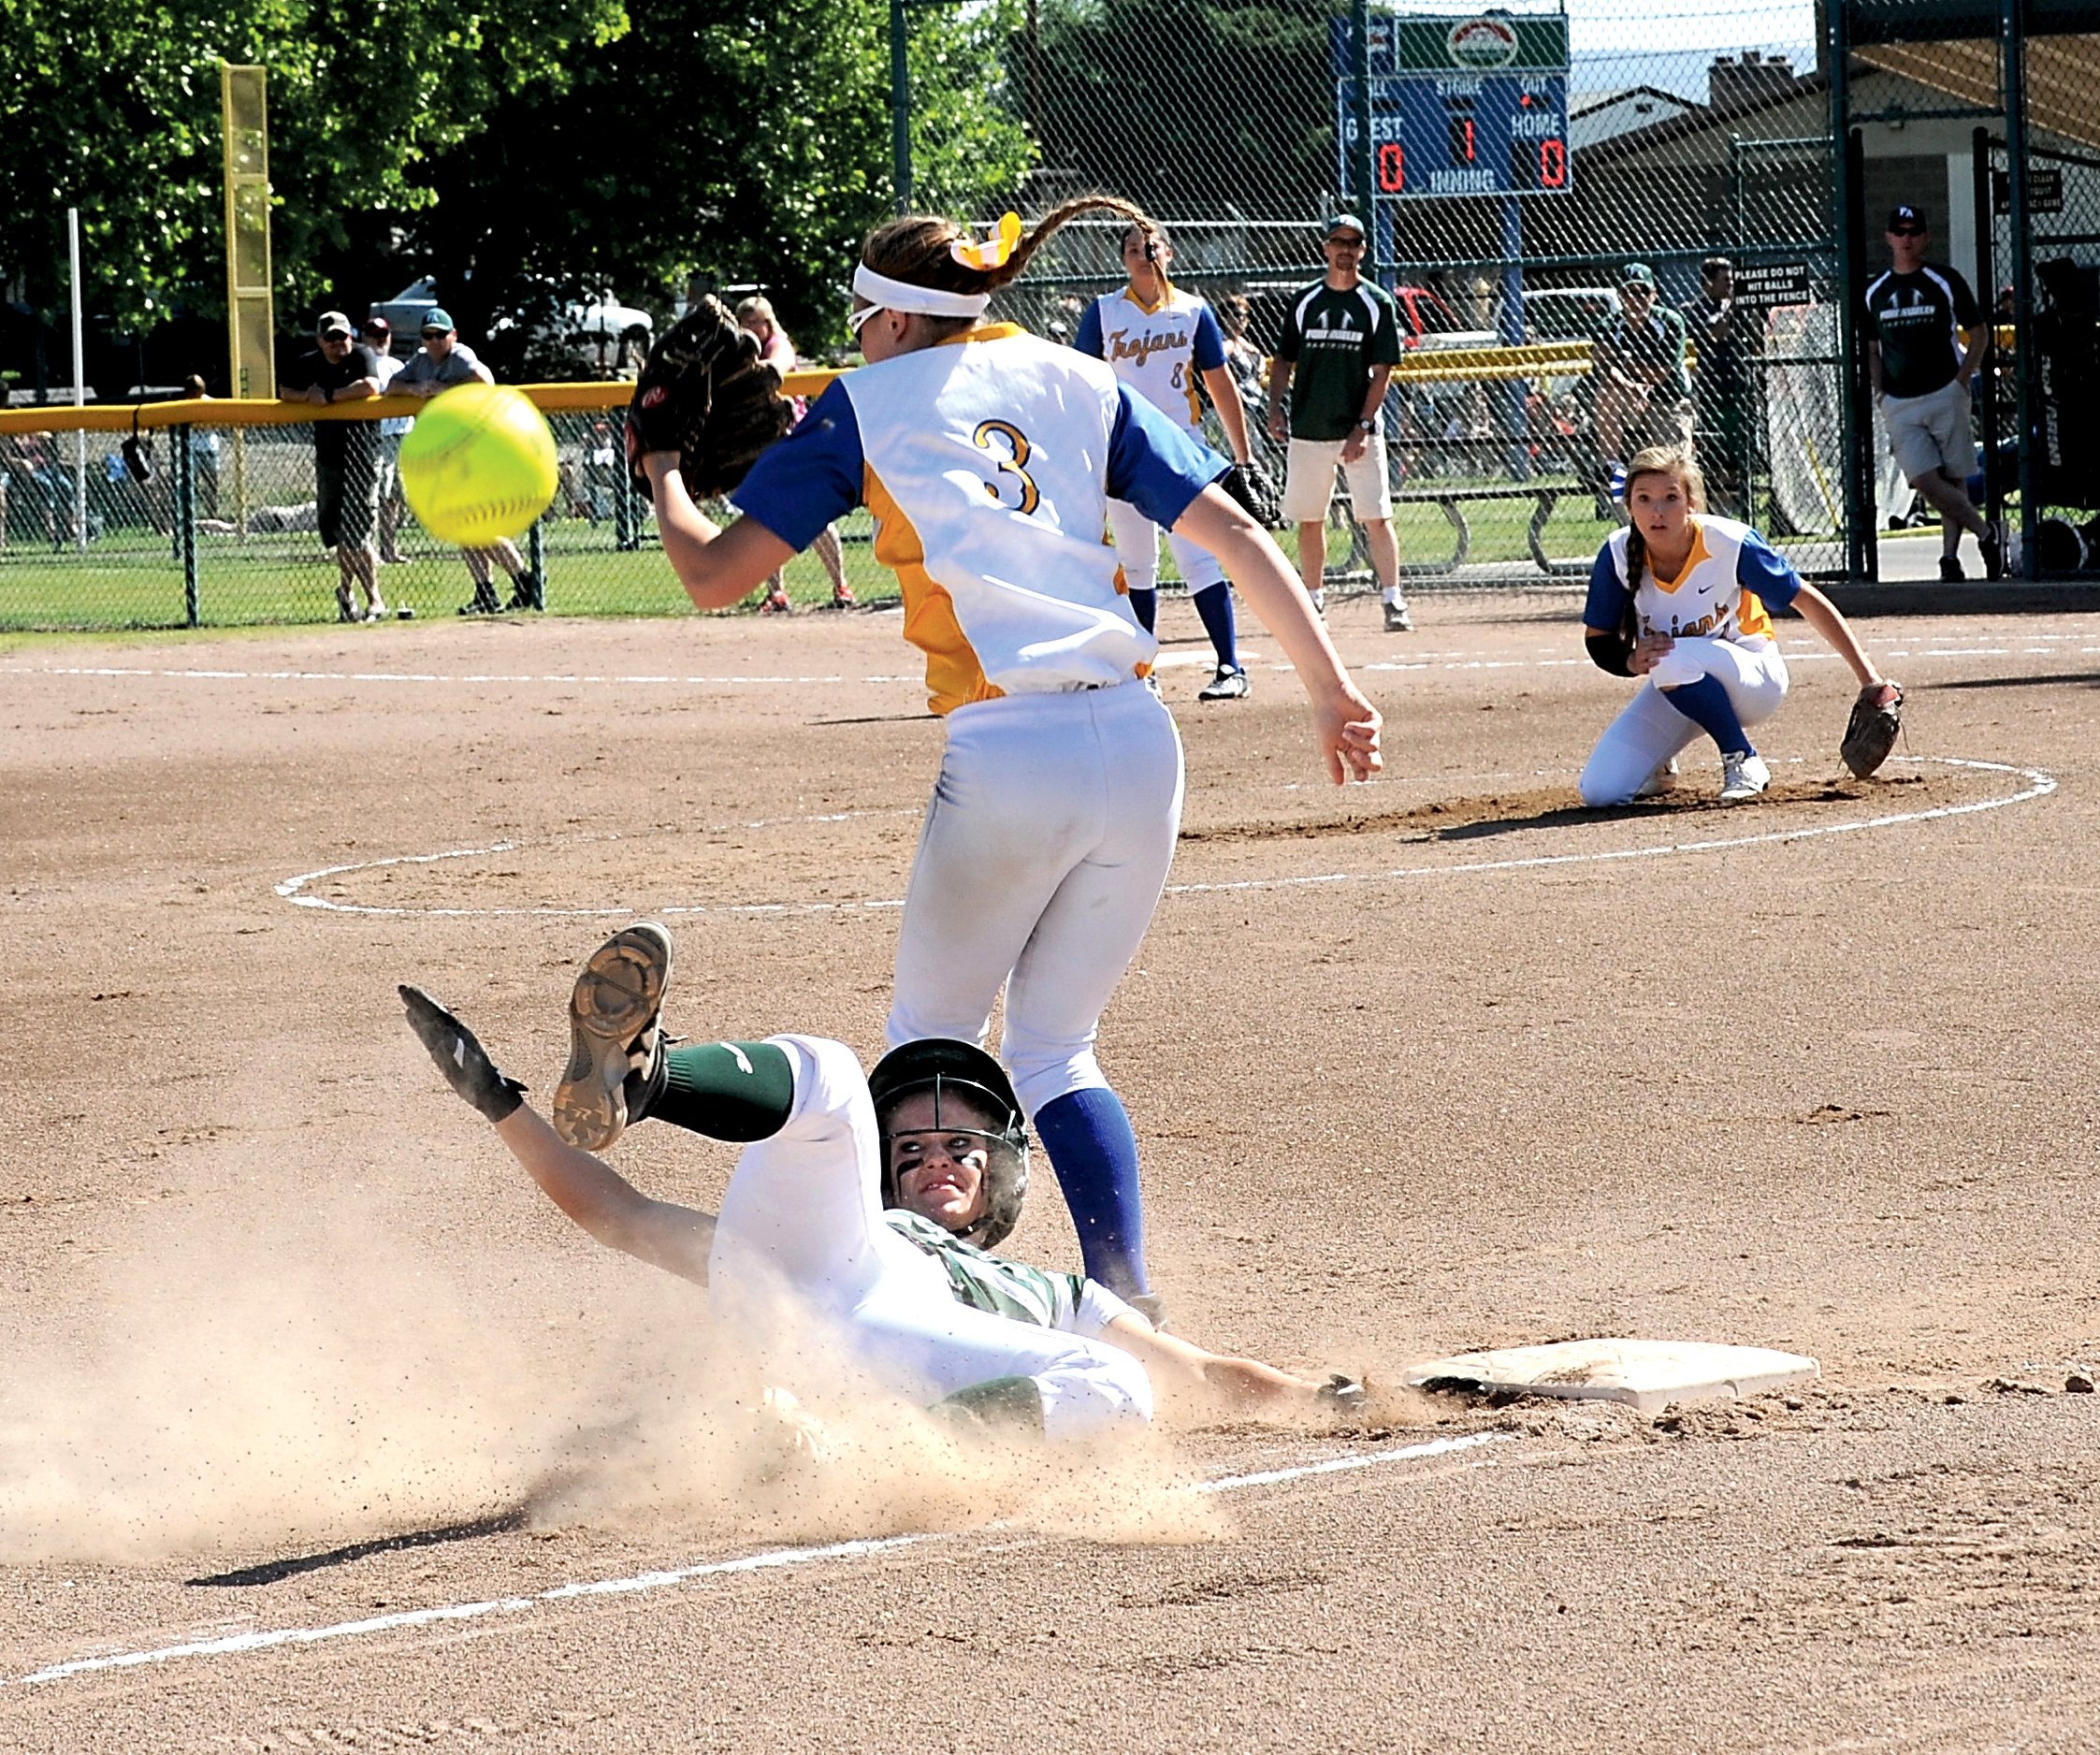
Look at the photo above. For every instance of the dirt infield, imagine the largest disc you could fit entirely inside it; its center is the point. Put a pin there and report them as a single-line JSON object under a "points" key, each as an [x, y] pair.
{"points": [[316, 1419]]}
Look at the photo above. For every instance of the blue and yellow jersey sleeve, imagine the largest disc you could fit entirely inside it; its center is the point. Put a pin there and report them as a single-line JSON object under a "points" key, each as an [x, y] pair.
{"points": [[1152, 463], [1209, 345], [1088, 339], [1605, 606], [812, 477], [1761, 569]]}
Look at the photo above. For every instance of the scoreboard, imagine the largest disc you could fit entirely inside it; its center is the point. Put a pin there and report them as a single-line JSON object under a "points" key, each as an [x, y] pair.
{"points": [[1475, 107]]}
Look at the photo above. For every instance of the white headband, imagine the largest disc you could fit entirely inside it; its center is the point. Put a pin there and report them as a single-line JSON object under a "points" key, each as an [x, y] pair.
{"points": [[880, 289]]}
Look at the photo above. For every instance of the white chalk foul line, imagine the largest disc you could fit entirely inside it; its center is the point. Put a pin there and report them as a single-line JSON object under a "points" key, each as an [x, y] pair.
{"points": [[233, 1645], [2040, 785]]}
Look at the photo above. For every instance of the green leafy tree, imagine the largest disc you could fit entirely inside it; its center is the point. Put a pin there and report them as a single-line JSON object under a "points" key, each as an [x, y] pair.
{"points": [[113, 106], [718, 145]]}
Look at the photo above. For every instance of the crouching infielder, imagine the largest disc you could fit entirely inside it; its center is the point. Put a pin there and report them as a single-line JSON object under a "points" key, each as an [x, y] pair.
{"points": [[803, 1249]]}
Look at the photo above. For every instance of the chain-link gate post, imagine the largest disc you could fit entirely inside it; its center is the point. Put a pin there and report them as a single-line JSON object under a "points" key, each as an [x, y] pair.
{"points": [[1984, 392], [184, 467], [2012, 52], [536, 559], [1361, 161]]}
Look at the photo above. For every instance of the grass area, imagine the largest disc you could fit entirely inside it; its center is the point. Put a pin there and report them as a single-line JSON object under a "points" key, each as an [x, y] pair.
{"points": [[128, 580]]}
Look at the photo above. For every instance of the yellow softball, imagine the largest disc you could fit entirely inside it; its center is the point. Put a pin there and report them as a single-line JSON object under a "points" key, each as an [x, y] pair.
{"points": [[478, 465]]}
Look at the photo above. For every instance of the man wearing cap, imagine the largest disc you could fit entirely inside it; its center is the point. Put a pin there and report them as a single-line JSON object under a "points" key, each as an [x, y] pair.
{"points": [[444, 361], [1721, 334], [1643, 393], [379, 338], [1339, 344], [1925, 338], [345, 459]]}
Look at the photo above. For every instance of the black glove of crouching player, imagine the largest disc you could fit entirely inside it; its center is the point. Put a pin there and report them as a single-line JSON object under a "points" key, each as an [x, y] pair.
{"points": [[460, 1057]]}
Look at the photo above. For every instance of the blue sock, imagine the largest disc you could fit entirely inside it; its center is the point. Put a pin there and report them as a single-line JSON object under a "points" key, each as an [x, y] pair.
{"points": [[1088, 1136], [1706, 704], [1147, 606], [1214, 604]]}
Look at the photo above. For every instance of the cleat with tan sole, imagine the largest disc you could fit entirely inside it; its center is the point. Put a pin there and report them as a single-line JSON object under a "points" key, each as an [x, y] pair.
{"points": [[612, 1032]]}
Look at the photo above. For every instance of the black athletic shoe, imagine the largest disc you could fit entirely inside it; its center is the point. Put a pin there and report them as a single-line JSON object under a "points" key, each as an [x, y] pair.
{"points": [[1992, 545], [1230, 684], [484, 604], [527, 592], [613, 1036], [1951, 570]]}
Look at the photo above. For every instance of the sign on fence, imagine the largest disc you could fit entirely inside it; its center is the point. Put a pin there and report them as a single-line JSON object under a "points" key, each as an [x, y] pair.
{"points": [[2045, 189], [1769, 283]]}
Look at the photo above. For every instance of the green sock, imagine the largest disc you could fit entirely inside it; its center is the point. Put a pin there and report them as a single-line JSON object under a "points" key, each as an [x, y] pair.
{"points": [[726, 1090]]}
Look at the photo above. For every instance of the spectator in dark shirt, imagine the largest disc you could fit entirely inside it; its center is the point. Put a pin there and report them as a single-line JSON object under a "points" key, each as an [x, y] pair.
{"points": [[444, 361], [1643, 395], [345, 459], [1925, 339], [1722, 336]]}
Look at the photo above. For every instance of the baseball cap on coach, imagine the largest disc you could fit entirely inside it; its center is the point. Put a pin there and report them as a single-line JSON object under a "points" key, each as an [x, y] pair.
{"points": [[1906, 216], [1637, 274], [1346, 223], [331, 323], [439, 318]]}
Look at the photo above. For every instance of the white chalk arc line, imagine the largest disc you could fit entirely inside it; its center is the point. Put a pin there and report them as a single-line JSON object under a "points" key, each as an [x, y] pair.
{"points": [[264, 1640], [2040, 784]]}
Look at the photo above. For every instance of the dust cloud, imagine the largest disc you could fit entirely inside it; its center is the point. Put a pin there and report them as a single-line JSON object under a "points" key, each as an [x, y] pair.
{"points": [[302, 1381]]}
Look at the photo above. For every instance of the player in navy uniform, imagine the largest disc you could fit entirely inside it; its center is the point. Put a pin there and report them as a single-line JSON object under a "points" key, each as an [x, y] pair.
{"points": [[1925, 338]]}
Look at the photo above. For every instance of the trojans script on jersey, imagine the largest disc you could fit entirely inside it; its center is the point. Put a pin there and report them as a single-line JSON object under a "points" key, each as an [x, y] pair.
{"points": [[1707, 601], [1155, 351]]}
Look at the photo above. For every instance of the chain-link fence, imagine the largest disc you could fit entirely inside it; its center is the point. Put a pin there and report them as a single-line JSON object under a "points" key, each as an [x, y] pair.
{"points": [[1511, 166], [211, 523]]}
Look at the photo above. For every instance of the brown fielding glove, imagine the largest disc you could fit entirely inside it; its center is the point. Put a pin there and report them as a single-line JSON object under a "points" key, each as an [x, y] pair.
{"points": [[706, 395], [1870, 734]]}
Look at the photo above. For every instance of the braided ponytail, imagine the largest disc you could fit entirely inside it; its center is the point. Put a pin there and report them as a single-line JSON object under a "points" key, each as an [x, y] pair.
{"points": [[915, 248]]}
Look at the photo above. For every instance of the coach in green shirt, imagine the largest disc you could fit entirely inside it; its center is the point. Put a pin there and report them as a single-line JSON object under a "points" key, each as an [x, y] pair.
{"points": [[1340, 342]]}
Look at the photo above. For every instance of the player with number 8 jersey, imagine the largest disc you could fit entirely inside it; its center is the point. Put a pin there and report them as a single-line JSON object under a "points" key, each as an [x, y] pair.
{"points": [[988, 457]]}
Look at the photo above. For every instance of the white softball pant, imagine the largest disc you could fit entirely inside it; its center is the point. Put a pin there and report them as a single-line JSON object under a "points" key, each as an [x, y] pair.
{"points": [[1045, 846], [1651, 731], [1137, 552], [803, 1265]]}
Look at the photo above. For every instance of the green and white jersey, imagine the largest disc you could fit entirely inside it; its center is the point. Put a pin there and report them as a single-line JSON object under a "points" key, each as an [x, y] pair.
{"points": [[1013, 1289], [1335, 339]]}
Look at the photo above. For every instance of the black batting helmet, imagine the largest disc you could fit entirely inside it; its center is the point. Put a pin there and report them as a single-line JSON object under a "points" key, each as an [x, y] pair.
{"points": [[951, 1068]]}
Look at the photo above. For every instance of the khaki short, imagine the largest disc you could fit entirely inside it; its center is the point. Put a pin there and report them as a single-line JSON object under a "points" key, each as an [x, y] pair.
{"points": [[1309, 481], [1932, 432]]}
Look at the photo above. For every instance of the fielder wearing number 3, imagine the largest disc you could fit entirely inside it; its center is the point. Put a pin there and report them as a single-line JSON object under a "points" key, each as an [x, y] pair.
{"points": [[1680, 598], [855, 1230], [987, 459]]}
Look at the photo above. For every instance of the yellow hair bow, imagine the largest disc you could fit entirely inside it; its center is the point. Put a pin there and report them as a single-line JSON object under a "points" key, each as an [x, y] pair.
{"points": [[995, 251]]}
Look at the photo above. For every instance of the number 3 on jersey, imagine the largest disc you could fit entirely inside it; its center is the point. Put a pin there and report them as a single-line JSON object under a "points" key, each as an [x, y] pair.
{"points": [[1010, 445]]}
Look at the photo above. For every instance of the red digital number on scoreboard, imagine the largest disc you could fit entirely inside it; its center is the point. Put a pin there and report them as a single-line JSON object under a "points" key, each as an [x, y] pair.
{"points": [[1392, 168], [1553, 165]]}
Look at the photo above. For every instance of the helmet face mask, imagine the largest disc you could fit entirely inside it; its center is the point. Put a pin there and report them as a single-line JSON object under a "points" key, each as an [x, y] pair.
{"points": [[985, 1110]]}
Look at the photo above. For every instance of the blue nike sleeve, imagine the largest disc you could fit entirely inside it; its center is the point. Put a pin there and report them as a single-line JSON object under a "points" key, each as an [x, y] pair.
{"points": [[1760, 568], [1210, 341], [1153, 464], [812, 477], [1605, 607], [1088, 340]]}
